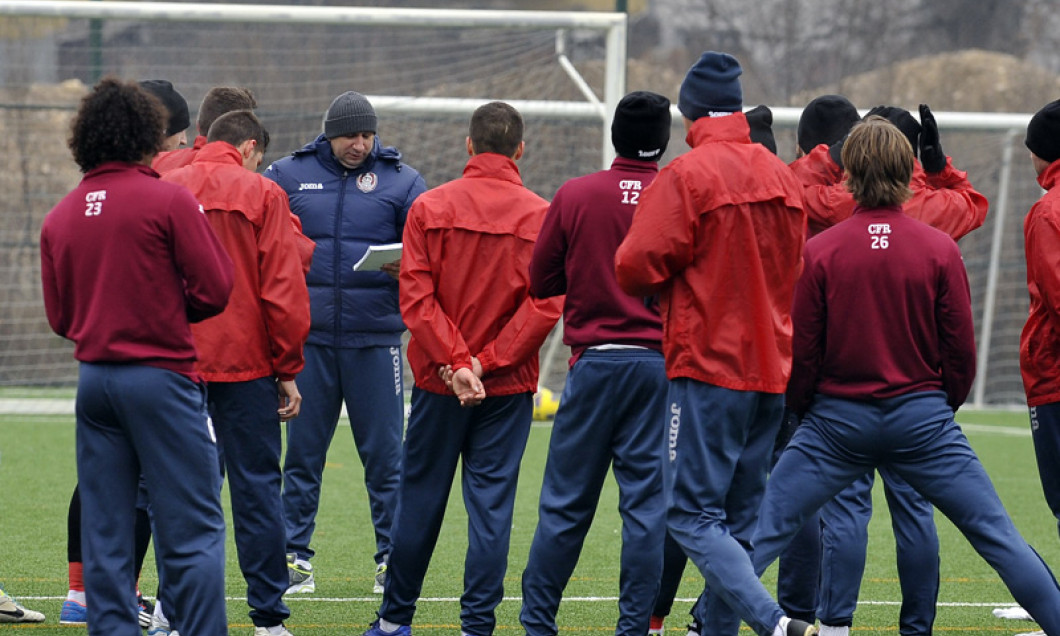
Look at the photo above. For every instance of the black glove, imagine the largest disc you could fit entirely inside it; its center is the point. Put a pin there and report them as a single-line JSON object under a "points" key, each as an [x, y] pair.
{"points": [[760, 119], [835, 151], [931, 155]]}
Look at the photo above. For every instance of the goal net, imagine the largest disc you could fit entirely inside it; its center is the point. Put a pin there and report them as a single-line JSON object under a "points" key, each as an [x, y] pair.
{"points": [[425, 71]]}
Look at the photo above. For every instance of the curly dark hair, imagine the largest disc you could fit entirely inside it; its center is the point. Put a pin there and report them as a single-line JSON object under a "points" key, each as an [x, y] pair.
{"points": [[117, 121]]}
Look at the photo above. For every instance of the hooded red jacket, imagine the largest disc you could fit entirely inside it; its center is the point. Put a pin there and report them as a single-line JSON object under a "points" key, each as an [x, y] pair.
{"points": [[166, 162], [262, 330], [719, 235], [465, 279], [1040, 340]]}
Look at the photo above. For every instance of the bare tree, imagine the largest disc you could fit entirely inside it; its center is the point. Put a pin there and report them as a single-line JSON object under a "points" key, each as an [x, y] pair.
{"points": [[789, 46], [995, 25]]}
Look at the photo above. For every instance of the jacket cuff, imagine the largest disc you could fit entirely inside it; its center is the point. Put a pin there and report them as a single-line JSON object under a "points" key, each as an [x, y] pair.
{"points": [[946, 178], [488, 362]]}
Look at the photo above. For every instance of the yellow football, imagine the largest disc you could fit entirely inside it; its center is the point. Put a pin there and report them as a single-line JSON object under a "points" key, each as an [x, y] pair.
{"points": [[545, 405]]}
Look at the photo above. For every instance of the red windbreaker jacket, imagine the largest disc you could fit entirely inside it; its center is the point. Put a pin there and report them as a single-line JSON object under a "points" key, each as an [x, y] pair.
{"points": [[1040, 340], [170, 160], [262, 330], [945, 200], [719, 236], [167, 162], [465, 279]]}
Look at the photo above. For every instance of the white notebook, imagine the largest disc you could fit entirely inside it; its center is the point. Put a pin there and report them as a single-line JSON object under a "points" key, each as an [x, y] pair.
{"points": [[376, 256]]}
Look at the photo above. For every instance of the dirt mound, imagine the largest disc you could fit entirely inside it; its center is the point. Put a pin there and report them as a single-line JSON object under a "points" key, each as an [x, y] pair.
{"points": [[971, 80]]}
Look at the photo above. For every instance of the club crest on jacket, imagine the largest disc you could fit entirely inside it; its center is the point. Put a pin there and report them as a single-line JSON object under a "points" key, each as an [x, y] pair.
{"points": [[367, 182]]}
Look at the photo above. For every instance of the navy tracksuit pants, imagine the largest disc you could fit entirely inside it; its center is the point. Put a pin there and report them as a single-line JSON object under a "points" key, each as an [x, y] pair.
{"points": [[369, 380], [831, 546], [487, 441], [800, 562], [1045, 432], [915, 436], [133, 418], [674, 562], [721, 441], [611, 415], [248, 431], [844, 539]]}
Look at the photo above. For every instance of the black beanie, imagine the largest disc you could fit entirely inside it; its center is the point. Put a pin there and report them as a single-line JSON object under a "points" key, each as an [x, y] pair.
{"points": [[905, 122], [760, 121], [348, 114], [176, 105], [826, 120], [1043, 132], [712, 85], [641, 126]]}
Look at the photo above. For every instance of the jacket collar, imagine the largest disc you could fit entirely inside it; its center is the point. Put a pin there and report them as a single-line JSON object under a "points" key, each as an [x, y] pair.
{"points": [[321, 147], [711, 129], [1050, 176], [492, 166], [634, 165], [120, 166], [895, 209], [219, 152]]}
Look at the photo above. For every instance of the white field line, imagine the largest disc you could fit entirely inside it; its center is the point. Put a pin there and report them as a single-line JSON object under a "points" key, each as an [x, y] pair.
{"points": [[518, 599], [1017, 431], [36, 406]]}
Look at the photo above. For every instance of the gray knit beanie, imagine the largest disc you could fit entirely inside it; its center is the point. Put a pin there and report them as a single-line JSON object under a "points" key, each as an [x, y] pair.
{"points": [[348, 114]]}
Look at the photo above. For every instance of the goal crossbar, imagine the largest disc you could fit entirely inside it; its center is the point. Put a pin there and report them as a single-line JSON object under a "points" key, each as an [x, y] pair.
{"points": [[375, 16]]}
